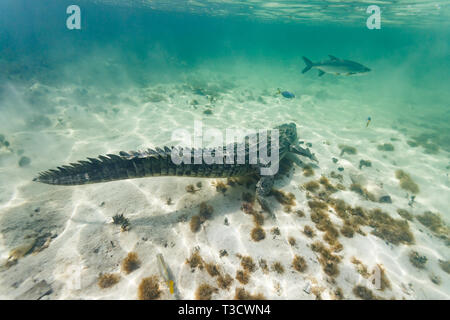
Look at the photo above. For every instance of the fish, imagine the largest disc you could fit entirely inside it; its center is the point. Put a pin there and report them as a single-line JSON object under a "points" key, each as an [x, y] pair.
{"points": [[336, 66], [286, 94]]}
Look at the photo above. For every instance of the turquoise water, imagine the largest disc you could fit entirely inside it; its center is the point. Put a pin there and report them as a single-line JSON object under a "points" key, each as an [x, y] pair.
{"points": [[138, 70]]}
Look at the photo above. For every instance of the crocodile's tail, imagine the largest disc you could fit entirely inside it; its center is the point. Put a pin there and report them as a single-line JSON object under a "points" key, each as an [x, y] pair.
{"points": [[112, 167], [134, 164]]}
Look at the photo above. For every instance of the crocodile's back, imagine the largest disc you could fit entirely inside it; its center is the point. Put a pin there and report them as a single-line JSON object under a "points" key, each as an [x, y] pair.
{"points": [[133, 165], [232, 160]]}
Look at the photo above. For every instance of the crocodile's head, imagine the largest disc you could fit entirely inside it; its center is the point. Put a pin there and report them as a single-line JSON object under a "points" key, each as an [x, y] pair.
{"points": [[289, 141]]}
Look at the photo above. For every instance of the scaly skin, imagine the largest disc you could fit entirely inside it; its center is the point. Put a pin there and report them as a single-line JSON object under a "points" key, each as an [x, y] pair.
{"points": [[158, 162], [150, 163]]}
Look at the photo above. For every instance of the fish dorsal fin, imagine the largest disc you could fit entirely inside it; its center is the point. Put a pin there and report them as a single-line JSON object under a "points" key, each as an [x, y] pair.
{"points": [[332, 57]]}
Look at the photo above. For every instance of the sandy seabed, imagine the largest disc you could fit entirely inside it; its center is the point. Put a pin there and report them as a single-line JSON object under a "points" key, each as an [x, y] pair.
{"points": [[56, 241]]}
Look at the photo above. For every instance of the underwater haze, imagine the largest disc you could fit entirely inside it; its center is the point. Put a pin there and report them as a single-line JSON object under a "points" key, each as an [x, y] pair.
{"points": [[369, 220]]}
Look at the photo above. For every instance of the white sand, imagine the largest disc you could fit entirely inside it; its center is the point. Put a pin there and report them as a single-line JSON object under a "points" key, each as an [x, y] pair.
{"points": [[85, 243]]}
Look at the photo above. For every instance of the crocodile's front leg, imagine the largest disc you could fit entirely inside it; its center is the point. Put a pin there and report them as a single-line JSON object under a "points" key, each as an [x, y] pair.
{"points": [[263, 189], [295, 159], [303, 152]]}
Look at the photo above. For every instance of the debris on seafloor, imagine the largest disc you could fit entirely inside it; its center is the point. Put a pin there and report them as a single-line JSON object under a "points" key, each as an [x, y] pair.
{"points": [[164, 272], [307, 288]]}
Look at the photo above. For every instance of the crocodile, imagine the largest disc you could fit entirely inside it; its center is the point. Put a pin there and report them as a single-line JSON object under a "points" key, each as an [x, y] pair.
{"points": [[158, 162]]}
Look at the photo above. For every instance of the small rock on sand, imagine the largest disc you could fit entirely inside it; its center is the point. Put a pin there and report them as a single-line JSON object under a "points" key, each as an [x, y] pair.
{"points": [[24, 161]]}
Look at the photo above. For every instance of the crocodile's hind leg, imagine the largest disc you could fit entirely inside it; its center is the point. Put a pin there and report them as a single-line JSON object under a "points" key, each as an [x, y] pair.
{"points": [[263, 189]]}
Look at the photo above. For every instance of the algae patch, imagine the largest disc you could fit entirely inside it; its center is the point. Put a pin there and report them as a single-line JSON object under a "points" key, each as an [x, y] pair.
{"points": [[108, 280], [406, 182], [149, 289]]}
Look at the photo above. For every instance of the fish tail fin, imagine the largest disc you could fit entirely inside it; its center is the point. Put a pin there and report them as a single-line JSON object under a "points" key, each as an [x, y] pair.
{"points": [[308, 63]]}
